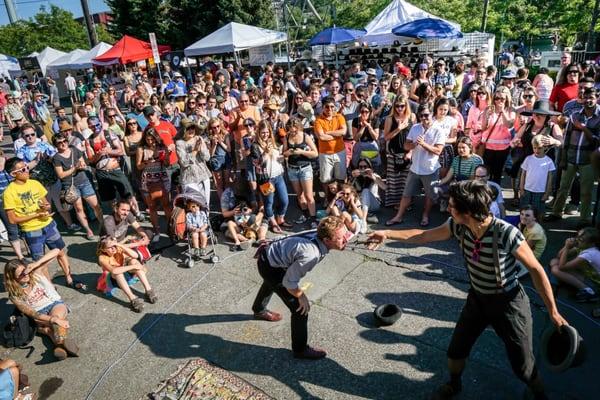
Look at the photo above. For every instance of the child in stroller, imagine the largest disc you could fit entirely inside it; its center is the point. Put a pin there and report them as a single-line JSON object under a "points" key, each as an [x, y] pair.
{"points": [[196, 222]]}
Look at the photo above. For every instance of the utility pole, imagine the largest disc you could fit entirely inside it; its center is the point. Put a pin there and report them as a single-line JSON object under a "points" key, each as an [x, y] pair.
{"points": [[485, 15], [589, 46], [11, 10], [89, 23]]}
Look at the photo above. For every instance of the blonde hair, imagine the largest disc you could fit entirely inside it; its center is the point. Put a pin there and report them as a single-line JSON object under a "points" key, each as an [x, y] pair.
{"points": [[401, 99], [264, 143], [537, 141], [11, 283], [329, 226]]}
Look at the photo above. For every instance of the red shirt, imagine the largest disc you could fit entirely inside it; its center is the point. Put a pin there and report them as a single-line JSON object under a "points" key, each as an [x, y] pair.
{"points": [[563, 93], [167, 132]]}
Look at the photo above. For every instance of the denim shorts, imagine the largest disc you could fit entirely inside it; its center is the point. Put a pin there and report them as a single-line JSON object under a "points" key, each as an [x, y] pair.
{"points": [[7, 385], [84, 190], [47, 236], [301, 174], [46, 310]]}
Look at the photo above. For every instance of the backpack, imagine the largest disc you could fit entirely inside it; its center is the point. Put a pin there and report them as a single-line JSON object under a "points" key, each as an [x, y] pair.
{"points": [[19, 330], [177, 224]]}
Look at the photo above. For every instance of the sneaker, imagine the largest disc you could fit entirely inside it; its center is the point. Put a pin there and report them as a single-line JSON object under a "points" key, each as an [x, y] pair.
{"points": [[443, 205], [300, 220], [314, 224], [372, 219], [74, 227], [140, 217], [583, 296], [571, 209], [201, 252], [155, 239]]}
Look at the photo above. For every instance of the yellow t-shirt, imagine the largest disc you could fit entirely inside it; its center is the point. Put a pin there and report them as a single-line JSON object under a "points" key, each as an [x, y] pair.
{"points": [[24, 200]]}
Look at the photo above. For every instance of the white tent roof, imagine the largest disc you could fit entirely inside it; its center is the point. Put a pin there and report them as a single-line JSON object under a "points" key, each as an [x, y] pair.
{"points": [[8, 63], [234, 37], [85, 60], [48, 55], [65, 62], [398, 12]]}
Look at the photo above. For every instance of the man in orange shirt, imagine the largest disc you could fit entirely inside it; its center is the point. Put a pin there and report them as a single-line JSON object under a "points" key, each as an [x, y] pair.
{"points": [[330, 128], [240, 114]]}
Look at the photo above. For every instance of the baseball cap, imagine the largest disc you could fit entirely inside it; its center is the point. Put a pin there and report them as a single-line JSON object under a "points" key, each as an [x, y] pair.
{"points": [[149, 110], [404, 71], [506, 57]]}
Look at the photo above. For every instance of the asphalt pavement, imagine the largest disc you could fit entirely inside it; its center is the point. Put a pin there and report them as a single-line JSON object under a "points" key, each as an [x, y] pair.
{"points": [[205, 312]]}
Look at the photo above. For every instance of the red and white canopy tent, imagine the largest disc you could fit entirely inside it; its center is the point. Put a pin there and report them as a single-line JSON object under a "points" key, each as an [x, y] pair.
{"points": [[128, 50]]}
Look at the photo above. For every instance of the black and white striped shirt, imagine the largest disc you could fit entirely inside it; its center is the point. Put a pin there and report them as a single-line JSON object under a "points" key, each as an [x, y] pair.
{"points": [[484, 276]]}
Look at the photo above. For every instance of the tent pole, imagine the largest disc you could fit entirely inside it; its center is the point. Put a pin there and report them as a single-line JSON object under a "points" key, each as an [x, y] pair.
{"points": [[337, 63]]}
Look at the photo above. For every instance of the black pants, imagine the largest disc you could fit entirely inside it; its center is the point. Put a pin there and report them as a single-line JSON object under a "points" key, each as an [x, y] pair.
{"points": [[495, 160], [510, 316], [272, 284]]}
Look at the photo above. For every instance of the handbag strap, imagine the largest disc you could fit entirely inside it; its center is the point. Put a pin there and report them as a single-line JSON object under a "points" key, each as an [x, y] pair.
{"points": [[491, 130]]}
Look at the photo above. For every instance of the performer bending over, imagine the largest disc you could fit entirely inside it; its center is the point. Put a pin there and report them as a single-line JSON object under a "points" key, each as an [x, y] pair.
{"points": [[490, 248], [282, 264]]}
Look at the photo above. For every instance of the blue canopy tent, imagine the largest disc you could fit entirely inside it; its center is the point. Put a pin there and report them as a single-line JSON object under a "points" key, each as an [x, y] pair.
{"points": [[336, 35], [428, 28]]}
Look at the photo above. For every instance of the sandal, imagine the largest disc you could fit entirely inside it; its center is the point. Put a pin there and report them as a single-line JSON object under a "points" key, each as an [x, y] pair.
{"points": [[392, 222], [137, 305], [286, 224], [151, 297], [425, 222], [77, 285], [276, 229]]}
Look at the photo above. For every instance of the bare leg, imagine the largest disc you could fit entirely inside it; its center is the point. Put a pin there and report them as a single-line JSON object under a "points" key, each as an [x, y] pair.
{"points": [[16, 245], [195, 240], [427, 209], [93, 202], [203, 240], [307, 191], [404, 203], [569, 277], [63, 262], [122, 282], [80, 212]]}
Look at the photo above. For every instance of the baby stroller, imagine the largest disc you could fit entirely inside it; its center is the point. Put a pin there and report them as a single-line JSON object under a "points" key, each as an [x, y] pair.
{"points": [[177, 224]]}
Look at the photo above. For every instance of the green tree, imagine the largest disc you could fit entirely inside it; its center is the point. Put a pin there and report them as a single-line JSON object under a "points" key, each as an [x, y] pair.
{"points": [[54, 27], [180, 22]]}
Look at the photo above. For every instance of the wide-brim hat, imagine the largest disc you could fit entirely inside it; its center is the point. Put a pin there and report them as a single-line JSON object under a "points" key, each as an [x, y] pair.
{"points": [[387, 314], [271, 105], [64, 126], [562, 348], [541, 107]]}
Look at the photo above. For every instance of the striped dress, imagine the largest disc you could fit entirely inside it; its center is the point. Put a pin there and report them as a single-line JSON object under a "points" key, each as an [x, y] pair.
{"points": [[396, 170], [485, 276]]}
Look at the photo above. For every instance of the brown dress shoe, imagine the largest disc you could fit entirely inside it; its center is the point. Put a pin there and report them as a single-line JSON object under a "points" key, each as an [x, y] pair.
{"points": [[267, 315], [310, 353]]}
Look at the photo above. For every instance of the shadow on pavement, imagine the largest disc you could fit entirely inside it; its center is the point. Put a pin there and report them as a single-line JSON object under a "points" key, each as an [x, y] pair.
{"points": [[173, 339]]}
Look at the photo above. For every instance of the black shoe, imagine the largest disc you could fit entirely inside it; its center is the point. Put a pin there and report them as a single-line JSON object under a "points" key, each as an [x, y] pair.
{"points": [[310, 353], [583, 296], [446, 391]]}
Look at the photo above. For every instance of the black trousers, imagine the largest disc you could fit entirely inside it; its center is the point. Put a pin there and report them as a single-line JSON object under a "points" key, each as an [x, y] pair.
{"points": [[272, 278], [510, 316], [495, 160]]}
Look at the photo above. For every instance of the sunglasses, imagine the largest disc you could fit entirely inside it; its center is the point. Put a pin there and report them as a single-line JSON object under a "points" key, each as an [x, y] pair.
{"points": [[499, 98], [244, 101], [201, 104], [111, 116], [21, 170], [59, 142], [481, 93], [573, 72], [528, 96], [476, 250], [346, 194], [132, 123], [400, 105], [29, 135], [424, 116]]}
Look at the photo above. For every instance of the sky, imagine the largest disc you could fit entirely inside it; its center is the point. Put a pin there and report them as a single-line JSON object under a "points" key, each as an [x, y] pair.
{"points": [[28, 8]]}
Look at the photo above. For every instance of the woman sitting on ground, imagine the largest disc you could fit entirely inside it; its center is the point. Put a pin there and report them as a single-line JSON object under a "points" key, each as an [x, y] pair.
{"points": [[116, 260], [346, 204], [571, 269], [31, 291], [533, 232], [367, 183]]}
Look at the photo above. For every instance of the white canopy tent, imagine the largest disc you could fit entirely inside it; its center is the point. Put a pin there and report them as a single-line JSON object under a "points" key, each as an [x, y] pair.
{"points": [[46, 56], [8, 64], [232, 38], [84, 61], [398, 12], [65, 62]]}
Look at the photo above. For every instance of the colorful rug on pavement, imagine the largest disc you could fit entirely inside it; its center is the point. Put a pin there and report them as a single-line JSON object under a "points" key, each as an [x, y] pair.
{"points": [[199, 379]]}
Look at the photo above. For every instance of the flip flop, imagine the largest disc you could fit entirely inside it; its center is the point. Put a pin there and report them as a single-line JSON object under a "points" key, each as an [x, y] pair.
{"points": [[392, 222], [77, 285]]}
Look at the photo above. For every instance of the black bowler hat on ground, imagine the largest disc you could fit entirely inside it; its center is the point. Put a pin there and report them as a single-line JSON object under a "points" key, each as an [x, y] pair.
{"points": [[562, 349], [387, 314]]}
